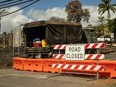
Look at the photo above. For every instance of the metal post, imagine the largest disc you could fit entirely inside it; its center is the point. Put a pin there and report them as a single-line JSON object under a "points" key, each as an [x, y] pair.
{"points": [[97, 77], [0, 26], [58, 64], [98, 51], [18, 41], [4, 38], [0, 32], [13, 43]]}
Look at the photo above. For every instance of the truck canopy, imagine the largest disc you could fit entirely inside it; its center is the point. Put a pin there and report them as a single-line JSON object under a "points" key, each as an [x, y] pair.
{"points": [[53, 32]]}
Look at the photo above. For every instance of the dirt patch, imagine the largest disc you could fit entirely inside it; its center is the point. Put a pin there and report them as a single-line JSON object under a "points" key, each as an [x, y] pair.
{"points": [[105, 83], [108, 49]]}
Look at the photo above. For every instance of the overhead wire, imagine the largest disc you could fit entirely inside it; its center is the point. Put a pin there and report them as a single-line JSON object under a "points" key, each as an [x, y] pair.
{"points": [[10, 2], [5, 1], [20, 8], [14, 4]]}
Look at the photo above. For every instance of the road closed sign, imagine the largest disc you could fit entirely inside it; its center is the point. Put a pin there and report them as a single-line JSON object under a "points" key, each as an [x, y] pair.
{"points": [[75, 52]]}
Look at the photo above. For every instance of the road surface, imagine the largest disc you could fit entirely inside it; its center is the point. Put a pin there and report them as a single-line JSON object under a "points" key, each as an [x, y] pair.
{"points": [[15, 78]]}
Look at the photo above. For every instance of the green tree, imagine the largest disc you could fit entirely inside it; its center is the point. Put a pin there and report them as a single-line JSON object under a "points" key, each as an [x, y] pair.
{"points": [[106, 6], [112, 26], [57, 19], [102, 28], [86, 14], [75, 13]]}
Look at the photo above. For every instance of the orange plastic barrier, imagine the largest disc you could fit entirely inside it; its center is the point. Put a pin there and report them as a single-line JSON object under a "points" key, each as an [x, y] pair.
{"points": [[109, 71], [33, 64], [110, 68], [106, 68], [18, 63], [48, 65]]}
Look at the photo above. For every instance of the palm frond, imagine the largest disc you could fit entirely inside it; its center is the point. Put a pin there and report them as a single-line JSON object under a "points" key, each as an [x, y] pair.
{"points": [[113, 9], [106, 6], [113, 5]]}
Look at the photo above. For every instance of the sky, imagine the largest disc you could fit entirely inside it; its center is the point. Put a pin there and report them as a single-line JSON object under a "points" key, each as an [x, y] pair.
{"points": [[44, 9]]}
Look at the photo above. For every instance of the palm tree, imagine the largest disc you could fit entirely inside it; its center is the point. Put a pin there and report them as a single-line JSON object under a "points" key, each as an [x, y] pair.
{"points": [[75, 13], [106, 6]]}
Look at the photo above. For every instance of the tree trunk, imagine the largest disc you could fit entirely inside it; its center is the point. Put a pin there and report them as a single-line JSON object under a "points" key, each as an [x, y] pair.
{"points": [[108, 14]]}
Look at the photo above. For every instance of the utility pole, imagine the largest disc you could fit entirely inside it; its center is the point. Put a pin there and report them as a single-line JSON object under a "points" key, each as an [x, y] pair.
{"points": [[0, 33], [2, 11], [0, 25]]}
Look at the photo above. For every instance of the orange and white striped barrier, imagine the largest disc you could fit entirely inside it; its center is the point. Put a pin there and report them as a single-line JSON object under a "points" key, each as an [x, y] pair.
{"points": [[79, 67], [58, 56], [47, 67], [71, 66], [94, 45], [87, 56], [94, 56], [87, 46]]}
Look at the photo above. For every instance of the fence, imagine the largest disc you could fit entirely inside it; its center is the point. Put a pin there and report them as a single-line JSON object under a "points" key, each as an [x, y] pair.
{"points": [[6, 56]]}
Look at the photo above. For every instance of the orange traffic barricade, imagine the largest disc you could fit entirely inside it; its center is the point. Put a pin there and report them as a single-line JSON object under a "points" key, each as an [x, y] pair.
{"points": [[33, 64], [18, 63], [110, 68], [48, 65]]}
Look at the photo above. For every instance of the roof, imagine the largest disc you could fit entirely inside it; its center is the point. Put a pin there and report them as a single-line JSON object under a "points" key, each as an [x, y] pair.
{"points": [[89, 28], [44, 23]]}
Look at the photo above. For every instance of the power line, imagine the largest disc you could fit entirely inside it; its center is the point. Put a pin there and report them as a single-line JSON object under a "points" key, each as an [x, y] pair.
{"points": [[19, 9], [9, 2], [5, 1], [14, 4]]}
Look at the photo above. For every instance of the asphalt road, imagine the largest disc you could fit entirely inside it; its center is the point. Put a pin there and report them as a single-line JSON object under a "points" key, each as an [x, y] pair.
{"points": [[15, 78]]}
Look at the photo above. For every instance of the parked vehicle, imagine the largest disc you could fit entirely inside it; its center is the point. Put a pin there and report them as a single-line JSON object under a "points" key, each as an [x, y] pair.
{"points": [[102, 38], [53, 33]]}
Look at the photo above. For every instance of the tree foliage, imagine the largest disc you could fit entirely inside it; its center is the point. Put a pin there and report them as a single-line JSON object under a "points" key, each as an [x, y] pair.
{"points": [[107, 28], [112, 24], [106, 6], [102, 30], [86, 14], [57, 19], [75, 13]]}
